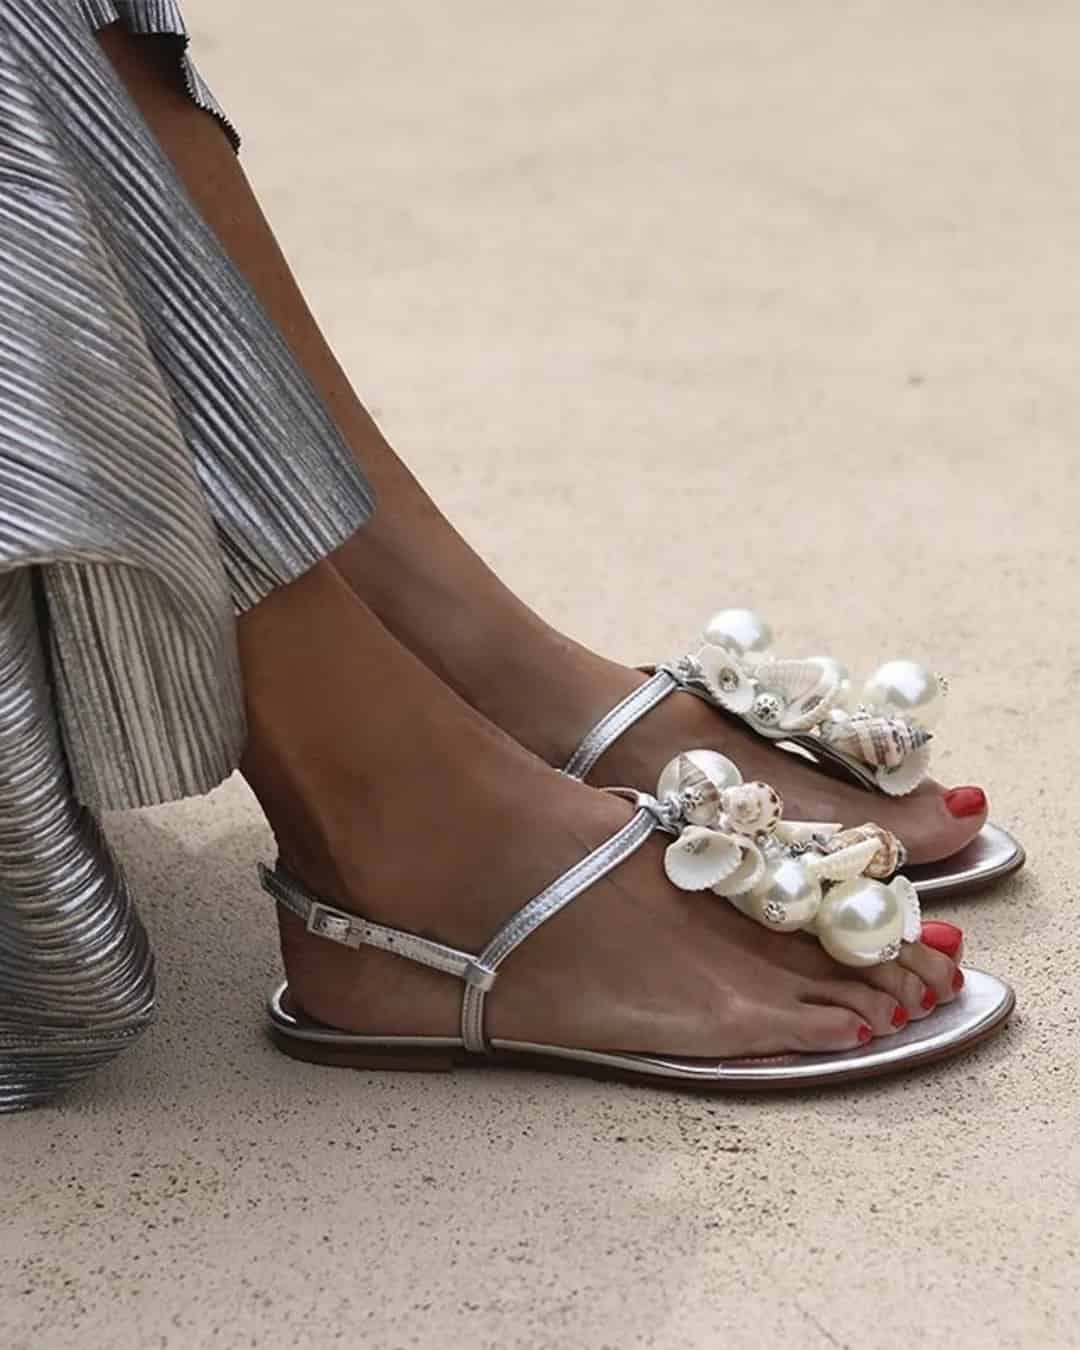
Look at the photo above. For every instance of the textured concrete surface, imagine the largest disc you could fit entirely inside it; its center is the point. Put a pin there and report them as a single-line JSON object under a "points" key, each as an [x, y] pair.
{"points": [[670, 306]]}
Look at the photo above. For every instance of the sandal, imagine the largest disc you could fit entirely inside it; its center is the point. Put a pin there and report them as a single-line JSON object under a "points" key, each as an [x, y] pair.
{"points": [[883, 744], [730, 840]]}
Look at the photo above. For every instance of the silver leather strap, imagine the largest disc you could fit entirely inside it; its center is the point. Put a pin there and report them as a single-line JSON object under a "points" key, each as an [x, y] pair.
{"points": [[478, 972], [620, 719], [547, 904], [336, 925]]}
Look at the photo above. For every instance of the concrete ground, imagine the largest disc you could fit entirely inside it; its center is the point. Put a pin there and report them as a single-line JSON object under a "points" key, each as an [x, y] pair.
{"points": [[671, 307]]}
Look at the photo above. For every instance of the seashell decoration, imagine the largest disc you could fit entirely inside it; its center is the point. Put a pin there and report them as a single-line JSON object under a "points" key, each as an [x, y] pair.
{"points": [[701, 859], [887, 857], [752, 808], [785, 875], [841, 864], [885, 739], [725, 678], [747, 876], [896, 750], [795, 695]]}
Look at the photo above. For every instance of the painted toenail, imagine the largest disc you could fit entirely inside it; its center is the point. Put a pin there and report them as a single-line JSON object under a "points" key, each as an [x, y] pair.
{"points": [[965, 801], [929, 1000], [899, 1017], [943, 937], [864, 1034], [958, 981]]}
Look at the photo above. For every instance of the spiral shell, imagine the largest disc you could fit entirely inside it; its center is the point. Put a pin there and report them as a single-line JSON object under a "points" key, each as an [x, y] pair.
{"points": [[886, 857], [842, 863], [795, 695], [752, 808], [897, 751], [697, 778], [802, 832]]}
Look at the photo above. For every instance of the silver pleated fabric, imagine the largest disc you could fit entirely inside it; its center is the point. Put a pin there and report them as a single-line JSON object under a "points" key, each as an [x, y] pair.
{"points": [[164, 463]]}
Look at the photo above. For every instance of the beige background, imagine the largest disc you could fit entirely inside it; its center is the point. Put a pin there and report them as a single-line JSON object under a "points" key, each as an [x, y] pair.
{"points": [[670, 306]]}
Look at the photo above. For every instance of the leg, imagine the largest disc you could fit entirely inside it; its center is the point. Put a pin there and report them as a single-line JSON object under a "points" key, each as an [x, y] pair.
{"points": [[393, 797], [431, 590]]}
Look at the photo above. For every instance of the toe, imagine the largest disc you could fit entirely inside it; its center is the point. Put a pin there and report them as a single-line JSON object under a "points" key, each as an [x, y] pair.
{"points": [[902, 984], [884, 1014], [936, 823], [816, 1029], [936, 971]]}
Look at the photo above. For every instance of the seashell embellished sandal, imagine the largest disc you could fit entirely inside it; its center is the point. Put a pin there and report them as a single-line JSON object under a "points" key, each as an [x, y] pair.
{"points": [[881, 743], [730, 841]]}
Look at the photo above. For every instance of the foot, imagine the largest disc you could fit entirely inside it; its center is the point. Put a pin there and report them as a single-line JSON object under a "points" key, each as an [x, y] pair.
{"points": [[632, 965], [416, 813], [933, 822]]}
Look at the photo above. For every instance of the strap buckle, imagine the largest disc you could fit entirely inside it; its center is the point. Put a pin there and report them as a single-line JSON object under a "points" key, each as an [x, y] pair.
{"points": [[326, 922]]}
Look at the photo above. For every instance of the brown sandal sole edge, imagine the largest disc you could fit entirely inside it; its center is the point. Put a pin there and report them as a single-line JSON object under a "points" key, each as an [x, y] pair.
{"points": [[980, 1011]]}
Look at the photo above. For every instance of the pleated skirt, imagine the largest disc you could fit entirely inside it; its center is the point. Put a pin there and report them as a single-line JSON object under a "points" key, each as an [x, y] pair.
{"points": [[164, 464]]}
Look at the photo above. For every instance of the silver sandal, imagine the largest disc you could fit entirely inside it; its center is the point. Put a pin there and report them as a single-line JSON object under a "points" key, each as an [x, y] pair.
{"points": [[769, 869], [883, 745]]}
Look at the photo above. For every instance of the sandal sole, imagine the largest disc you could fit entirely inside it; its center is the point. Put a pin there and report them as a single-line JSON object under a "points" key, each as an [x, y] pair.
{"points": [[978, 1013]]}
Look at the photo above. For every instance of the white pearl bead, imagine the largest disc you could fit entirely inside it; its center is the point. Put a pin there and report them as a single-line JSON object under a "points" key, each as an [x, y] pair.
{"points": [[717, 768], [858, 920], [906, 689], [787, 897], [740, 629]]}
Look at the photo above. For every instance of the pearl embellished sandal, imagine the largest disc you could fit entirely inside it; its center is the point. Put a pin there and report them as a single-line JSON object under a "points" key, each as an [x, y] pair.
{"points": [[882, 744], [730, 841]]}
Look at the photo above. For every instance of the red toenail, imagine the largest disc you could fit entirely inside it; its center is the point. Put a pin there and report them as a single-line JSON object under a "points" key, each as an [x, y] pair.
{"points": [[958, 981], [929, 1000], [965, 801], [899, 1017], [864, 1034], [943, 937]]}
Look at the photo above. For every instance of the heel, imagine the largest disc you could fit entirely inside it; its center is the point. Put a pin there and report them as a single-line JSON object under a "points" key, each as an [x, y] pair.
{"points": [[367, 1057]]}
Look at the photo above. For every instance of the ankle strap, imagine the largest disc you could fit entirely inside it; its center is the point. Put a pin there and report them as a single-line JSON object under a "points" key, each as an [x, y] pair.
{"points": [[336, 925], [619, 720], [477, 972]]}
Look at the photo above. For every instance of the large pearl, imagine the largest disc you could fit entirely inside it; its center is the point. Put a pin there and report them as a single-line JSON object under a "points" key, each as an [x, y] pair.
{"points": [[906, 689], [741, 630], [717, 768], [787, 896], [859, 921]]}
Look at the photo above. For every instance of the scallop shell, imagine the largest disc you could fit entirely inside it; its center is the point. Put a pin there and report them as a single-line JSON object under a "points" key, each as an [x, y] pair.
{"points": [[843, 863], [795, 695], [701, 859], [886, 857], [752, 808], [725, 678], [746, 876], [908, 896]]}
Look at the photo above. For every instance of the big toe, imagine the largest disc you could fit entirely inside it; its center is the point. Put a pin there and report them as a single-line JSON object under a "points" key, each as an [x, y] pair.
{"points": [[934, 822]]}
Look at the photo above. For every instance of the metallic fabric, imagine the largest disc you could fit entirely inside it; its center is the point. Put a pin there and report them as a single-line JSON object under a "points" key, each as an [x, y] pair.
{"points": [[616, 722], [163, 464]]}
